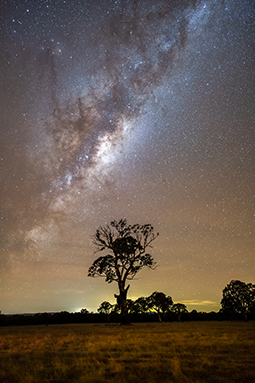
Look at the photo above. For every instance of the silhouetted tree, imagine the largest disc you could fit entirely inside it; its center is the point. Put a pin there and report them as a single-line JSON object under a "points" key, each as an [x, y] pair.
{"points": [[160, 303], [105, 308], [130, 305], [141, 305], [179, 309], [115, 309], [238, 297], [84, 311], [127, 245]]}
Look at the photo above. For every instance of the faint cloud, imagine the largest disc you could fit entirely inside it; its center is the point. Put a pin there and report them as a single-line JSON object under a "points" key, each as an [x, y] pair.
{"points": [[198, 303]]}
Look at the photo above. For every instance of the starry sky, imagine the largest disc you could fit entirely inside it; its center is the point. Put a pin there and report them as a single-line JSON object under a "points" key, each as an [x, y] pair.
{"points": [[136, 109]]}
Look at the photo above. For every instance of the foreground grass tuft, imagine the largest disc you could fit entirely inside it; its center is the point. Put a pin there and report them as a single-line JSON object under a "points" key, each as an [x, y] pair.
{"points": [[195, 352]]}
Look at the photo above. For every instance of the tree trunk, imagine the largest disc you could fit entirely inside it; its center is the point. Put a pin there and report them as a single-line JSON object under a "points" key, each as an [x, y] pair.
{"points": [[159, 316], [122, 302], [244, 312]]}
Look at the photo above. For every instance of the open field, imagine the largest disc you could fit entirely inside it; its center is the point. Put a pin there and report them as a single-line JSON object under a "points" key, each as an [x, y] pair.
{"points": [[194, 352]]}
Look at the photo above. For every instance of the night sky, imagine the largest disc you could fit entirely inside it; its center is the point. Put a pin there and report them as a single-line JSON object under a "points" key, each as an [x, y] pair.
{"points": [[135, 109]]}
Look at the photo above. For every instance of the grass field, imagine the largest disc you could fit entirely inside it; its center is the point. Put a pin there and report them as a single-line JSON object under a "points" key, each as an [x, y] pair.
{"points": [[193, 352]]}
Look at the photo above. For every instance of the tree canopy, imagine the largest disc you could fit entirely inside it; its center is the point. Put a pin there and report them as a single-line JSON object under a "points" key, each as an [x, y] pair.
{"points": [[179, 309], [238, 297], [105, 308], [160, 303]]}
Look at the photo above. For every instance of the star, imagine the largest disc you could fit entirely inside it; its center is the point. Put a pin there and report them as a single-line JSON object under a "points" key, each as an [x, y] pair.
{"points": [[137, 110]]}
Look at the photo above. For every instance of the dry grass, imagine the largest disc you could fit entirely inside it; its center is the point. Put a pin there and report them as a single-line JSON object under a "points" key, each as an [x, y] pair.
{"points": [[195, 352]]}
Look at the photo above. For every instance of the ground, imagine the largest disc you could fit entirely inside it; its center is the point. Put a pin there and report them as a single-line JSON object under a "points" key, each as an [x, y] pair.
{"points": [[194, 352]]}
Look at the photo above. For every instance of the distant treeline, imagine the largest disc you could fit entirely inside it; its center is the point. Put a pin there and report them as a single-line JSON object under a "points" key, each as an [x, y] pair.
{"points": [[238, 303], [87, 317]]}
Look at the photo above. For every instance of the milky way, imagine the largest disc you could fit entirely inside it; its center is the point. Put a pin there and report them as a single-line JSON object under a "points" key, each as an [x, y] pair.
{"points": [[134, 109]]}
